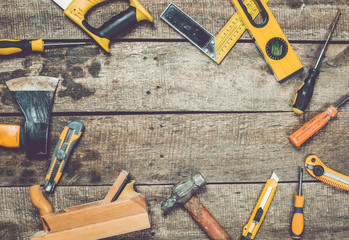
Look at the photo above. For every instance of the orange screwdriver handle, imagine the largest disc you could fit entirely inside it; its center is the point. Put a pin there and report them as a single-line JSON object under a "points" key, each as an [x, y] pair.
{"points": [[311, 127], [297, 220], [11, 136]]}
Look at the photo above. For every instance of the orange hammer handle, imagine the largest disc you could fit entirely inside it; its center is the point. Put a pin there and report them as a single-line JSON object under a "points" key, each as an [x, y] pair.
{"points": [[11, 136], [206, 221], [314, 125]]}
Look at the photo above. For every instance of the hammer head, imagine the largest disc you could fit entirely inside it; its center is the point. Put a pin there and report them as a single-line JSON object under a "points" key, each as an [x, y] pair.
{"points": [[183, 191]]}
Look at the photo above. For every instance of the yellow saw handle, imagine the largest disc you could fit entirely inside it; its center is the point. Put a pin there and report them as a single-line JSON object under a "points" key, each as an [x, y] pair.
{"points": [[77, 10]]}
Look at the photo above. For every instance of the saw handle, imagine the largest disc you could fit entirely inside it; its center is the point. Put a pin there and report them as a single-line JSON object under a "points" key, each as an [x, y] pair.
{"points": [[11, 136], [206, 221], [314, 125], [77, 10], [40, 202], [12, 46]]}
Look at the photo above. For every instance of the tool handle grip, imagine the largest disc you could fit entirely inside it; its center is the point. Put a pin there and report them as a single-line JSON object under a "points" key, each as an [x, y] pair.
{"points": [[311, 127], [11, 46], [77, 10], [207, 222], [67, 140], [305, 92], [40, 202], [297, 220], [11, 136]]}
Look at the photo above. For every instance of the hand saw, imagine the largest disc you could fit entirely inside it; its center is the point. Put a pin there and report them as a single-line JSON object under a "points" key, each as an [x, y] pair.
{"points": [[251, 228], [214, 47], [76, 10], [320, 171], [67, 140]]}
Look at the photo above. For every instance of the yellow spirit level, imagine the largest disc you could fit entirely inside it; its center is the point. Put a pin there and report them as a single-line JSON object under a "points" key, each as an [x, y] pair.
{"points": [[218, 47], [271, 41]]}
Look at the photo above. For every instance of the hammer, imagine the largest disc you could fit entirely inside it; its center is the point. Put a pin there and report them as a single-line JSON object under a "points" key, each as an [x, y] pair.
{"points": [[183, 192]]}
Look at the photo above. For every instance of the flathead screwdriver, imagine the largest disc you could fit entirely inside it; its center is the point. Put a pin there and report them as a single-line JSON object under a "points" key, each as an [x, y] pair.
{"points": [[305, 92], [297, 220], [11, 46], [315, 124]]}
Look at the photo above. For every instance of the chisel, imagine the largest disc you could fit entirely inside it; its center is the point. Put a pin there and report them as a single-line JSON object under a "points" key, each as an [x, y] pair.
{"points": [[315, 124], [12, 46]]}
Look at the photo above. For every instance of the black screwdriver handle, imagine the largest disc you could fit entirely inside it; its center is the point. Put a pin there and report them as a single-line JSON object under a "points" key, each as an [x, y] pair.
{"points": [[12, 46], [305, 92]]}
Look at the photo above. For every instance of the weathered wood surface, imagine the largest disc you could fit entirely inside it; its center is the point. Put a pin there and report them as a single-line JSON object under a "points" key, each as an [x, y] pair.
{"points": [[157, 149], [299, 19], [326, 214], [123, 97], [175, 77]]}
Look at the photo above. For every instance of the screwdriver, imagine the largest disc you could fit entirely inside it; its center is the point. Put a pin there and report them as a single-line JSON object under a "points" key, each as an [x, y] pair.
{"points": [[11, 46], [315, 124], [305, 92], [297, 220]]}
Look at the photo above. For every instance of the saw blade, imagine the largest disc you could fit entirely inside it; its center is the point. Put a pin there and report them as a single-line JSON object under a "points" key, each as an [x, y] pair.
{"points": [[63, 3]]}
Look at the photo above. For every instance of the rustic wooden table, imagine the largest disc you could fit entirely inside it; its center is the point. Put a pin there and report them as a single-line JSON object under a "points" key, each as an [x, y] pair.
{"points": [[160, 109]]}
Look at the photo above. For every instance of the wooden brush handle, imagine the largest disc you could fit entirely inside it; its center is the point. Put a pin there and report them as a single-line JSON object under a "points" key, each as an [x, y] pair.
{"points": [[40, 202]]}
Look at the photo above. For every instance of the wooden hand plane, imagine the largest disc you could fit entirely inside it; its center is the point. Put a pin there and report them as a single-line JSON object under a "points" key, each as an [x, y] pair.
{"points": [[122, 211]]}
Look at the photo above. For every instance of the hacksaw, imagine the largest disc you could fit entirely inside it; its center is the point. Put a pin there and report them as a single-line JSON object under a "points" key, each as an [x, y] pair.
{"points": [[279, 55]]}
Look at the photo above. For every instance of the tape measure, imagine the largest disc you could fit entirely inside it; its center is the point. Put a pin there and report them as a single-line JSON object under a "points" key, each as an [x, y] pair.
{"points": [[277, 51]]}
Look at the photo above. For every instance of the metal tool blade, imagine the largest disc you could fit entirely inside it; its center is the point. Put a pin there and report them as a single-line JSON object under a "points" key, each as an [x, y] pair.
{"points": [[34, 95], [330, 175], [191, 30], [63, 3]]}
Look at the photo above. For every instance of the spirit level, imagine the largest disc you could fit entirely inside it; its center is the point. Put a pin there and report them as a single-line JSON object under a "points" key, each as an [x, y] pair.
{"points": [[218, 47]]}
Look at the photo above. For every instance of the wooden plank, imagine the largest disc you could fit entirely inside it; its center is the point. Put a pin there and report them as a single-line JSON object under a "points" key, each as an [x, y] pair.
{"points": [[156, 149], [174, 77], [300, 20], [326, 216]]}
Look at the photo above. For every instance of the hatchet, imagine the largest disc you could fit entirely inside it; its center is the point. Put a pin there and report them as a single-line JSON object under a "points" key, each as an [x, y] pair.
{"points": [[34, 95]]}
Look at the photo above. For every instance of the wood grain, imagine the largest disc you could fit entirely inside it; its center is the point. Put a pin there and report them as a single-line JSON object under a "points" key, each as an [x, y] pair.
{"points": [[326, 216], [151, 77], [157, 149], [299, 19]]}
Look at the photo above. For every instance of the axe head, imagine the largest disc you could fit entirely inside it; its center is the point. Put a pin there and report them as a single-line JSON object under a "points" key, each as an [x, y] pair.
{"points": [[34, 95]]}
